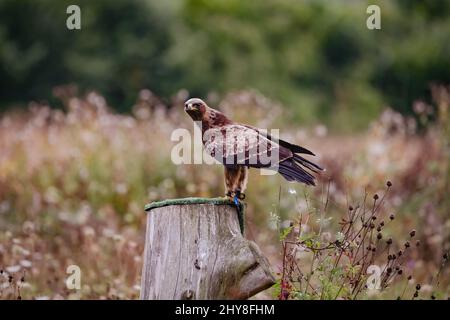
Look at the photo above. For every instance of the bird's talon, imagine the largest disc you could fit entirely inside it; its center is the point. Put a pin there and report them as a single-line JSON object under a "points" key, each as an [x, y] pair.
{"points": [[240, 195], [229, 196]]}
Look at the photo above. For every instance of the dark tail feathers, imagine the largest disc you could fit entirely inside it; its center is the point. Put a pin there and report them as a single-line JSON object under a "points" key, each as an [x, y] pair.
{"points": [[308, 164], [294, 148], [292, 170]]}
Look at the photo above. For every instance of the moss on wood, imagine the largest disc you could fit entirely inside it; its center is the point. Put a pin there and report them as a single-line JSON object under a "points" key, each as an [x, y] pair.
{"points": [[240, 208]]}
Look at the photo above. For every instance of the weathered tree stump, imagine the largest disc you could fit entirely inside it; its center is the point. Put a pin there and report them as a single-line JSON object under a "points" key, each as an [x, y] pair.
{"points": [[194, 249]]}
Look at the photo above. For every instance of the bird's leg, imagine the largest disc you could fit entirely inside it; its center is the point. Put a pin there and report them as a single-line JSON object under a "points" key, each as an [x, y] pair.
{"points": [[241, 184], [231, 176]]}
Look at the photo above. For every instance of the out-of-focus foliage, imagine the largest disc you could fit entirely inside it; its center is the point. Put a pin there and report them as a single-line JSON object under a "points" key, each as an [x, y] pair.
{"points": [[316, 57]]}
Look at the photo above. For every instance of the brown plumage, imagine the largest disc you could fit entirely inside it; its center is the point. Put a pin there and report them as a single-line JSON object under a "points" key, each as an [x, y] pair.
{"points": [[239, 147]]}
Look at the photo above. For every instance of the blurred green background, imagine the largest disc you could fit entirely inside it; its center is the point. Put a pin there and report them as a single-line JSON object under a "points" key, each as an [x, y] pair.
{"points": [[316, 57]]}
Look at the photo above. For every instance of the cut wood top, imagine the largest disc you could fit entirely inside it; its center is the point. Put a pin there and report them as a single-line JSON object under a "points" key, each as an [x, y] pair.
{"points": [[199, 200]]}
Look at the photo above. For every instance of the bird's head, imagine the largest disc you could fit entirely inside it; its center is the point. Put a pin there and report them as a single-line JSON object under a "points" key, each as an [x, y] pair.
{"points": [[196, 108]]}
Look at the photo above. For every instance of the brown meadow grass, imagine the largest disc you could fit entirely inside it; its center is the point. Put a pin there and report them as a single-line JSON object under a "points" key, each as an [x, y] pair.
{"points": [[74, 181]]}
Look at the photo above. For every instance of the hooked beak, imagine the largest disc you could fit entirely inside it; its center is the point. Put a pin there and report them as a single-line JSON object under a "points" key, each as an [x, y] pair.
{"points": [[189, 107]]}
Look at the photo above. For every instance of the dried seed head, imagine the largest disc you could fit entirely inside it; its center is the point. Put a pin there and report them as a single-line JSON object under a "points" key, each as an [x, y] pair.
{"points": [[379, 229], [400, 272], [400, 253], [418, 286], [375, 197], [417, 243], [433, 297], [379, 236], [372, 226], [382, 223], [389, 241], [445, 256], [392, 217], [389, 184], [390, 257], [412, 233], [416, 294], [407, 244], [389, 270], [350, 208], [409, 277], [374, 218]]}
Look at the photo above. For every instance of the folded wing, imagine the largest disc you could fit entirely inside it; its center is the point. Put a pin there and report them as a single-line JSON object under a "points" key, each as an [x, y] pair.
{"points": [[236, 144]]}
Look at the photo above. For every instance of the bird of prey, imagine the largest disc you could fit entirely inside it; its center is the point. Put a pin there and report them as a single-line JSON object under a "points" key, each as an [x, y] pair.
{"points": [[240, 146]]}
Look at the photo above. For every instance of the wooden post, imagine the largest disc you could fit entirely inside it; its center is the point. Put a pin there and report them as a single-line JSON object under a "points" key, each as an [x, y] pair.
{"points": [[194, 249]]}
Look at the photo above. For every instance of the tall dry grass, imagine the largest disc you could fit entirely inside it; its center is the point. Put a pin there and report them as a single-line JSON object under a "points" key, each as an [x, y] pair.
{"points": [[73, 183]]}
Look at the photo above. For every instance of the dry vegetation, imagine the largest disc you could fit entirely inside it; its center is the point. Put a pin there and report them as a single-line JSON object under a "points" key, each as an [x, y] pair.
{"points": [[73, 184]]}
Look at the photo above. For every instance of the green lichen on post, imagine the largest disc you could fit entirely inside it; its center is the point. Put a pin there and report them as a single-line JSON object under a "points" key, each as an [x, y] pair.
{"points": [[240, 208]]}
